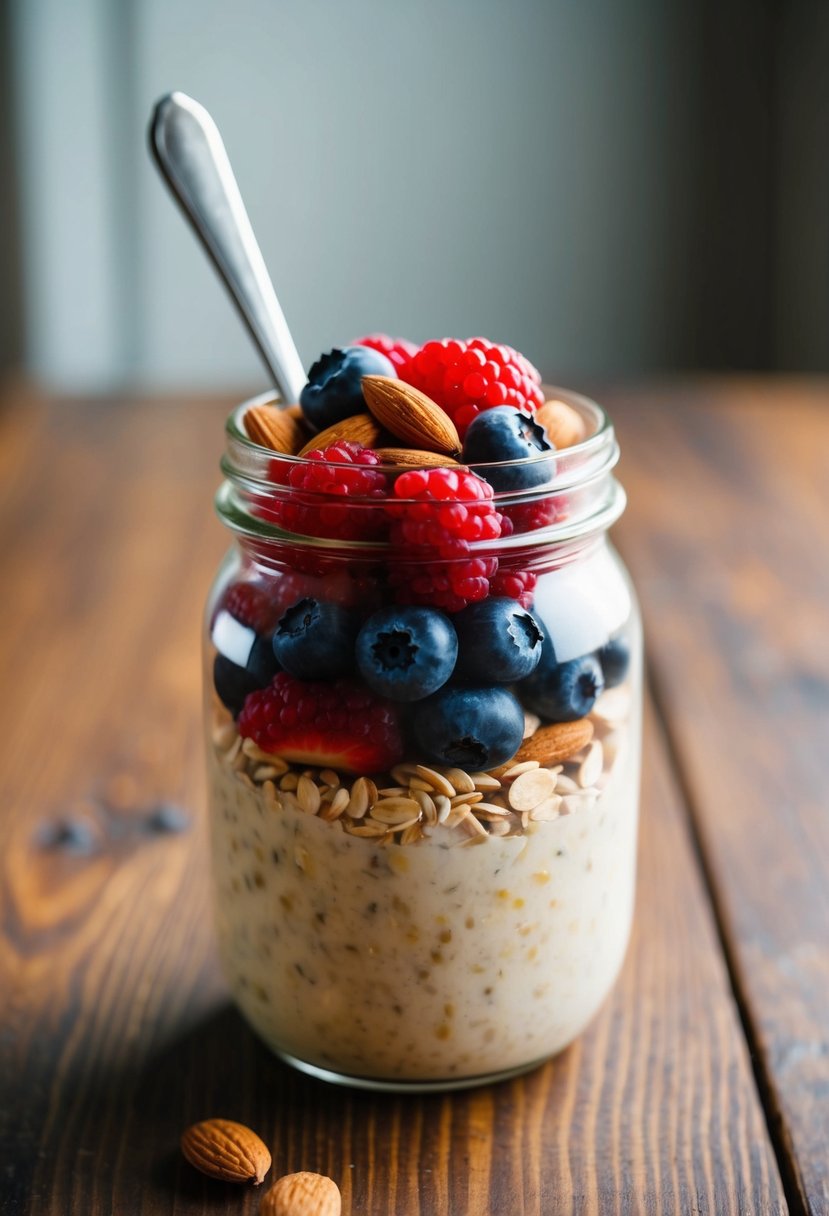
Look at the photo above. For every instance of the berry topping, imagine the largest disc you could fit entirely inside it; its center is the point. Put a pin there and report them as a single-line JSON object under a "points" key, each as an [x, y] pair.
{"points": [[234, 681], [562, 692], [471, 728], [325, 479], [469, 377], [516, 584], [314, 640], [507, 434], [497, 640], [333, 390], [251, 605], [406, 653], [437, 514], [614, 657], [339, 725], [398, 350]]}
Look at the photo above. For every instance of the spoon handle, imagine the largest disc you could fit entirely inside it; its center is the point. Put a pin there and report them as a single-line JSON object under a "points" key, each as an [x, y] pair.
{"points": [[189, 152]]}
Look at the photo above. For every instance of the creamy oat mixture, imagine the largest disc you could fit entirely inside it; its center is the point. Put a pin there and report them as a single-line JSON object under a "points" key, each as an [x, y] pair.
{"points": [[465, 952]]}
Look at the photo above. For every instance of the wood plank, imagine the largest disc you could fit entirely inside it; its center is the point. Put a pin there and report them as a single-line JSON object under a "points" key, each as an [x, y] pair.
{"points": [[727, 534], [115, 1029]]}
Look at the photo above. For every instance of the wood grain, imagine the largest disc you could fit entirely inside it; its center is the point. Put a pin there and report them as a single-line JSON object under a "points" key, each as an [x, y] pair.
{"points": [[727, 535], [115, 1029]]}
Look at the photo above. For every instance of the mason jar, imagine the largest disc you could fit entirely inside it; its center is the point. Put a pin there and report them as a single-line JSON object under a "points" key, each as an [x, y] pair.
{"points": [[407, 899]]}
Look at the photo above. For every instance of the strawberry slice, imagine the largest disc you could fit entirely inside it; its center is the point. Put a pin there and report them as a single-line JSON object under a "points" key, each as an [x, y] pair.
{"points": [[340, 725]]}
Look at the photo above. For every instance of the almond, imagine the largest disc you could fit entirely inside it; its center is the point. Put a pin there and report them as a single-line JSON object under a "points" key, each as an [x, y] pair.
{"points": [[413, 458], [359, 428], [227, 1150], [554, 743], [302, 1194], [274, 428], [410, 415], [564, 425]]}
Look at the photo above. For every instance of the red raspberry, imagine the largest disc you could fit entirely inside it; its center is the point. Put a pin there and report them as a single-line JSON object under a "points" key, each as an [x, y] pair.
{"points": [[437, 515], [331, 725], [468, 377], [398, 350], [530, 516], [517, 584], [318, 485], [260, 605]]}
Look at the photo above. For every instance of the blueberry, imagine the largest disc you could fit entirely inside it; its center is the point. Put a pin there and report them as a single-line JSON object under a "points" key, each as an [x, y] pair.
{"points": [[614, 657], [233, 682], [314, 640], [497, 640], [333, 391], [562, 692], [470, 728], [244, 663], [505, 433], [406, 653]]}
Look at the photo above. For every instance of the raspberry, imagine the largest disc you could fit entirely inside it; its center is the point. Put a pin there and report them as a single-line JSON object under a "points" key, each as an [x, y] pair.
{"points": [[318, 485], [260, 606], [530, 516], [468, 377], [340, 724], [437, 514], [399, 350], [517, 584]]}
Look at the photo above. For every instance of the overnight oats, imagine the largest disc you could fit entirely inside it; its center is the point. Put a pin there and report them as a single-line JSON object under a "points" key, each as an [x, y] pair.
{"points": [[423, 698]]}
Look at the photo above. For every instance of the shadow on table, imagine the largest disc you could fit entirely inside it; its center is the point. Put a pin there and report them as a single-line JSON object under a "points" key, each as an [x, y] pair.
{"points": [[221, 1068]]}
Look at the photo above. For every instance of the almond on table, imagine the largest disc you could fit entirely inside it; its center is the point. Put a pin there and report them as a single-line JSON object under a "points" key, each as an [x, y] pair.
{"points": [[227, 1150]]}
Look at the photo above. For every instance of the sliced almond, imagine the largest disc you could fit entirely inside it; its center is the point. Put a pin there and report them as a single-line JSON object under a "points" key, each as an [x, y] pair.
{"points": [[302, 1194], [359, 428], [559, 741], [410, 415], [228, 1150], [531, 789], [395, 810], [274, 428], [414, 458], [563, 424]]}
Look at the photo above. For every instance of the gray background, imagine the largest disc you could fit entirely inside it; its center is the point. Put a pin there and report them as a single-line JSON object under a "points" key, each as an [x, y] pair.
{"points": [[617, 187]]}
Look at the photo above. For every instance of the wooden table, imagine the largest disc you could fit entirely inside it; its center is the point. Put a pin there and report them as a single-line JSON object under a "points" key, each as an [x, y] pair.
{"points": [[702, 1086]]}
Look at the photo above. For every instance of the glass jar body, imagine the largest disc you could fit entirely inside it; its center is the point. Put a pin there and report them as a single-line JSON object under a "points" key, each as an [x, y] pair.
{"points": [[472, 944]]}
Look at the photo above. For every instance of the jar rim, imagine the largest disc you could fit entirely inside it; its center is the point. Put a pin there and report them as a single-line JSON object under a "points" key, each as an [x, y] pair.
{"points": [[585, 467]]}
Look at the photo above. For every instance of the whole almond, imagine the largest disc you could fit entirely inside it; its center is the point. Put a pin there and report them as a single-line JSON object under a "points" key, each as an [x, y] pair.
{"points": [[228, 1150], [359, 428], [410, 415], [302, 1194], [274, 428], [413, 458], [554, 743], [564, 425]]}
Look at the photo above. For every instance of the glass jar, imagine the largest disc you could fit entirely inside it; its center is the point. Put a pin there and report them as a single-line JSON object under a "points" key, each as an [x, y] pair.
{"points": [[432, 925]]}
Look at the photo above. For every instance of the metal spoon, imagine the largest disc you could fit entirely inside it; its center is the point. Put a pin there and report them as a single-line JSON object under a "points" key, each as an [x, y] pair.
{"points": [[191, 158]]}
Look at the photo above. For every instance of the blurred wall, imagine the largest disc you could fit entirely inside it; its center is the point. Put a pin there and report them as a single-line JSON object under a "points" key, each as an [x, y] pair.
{"points": [[588, 181]]}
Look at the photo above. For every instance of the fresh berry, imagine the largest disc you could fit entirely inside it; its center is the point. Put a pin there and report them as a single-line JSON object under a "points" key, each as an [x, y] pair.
{"points": [[516, 584], [469, 377], [340, 725], [398, 350], [471, 728], [333, 391], [251, 605], [507, 434], [314, 640], [562, 692], [406, 653], [614, 657], [234, 681], [533, 515], [437, 514], [336, 493], [497, 640]]}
